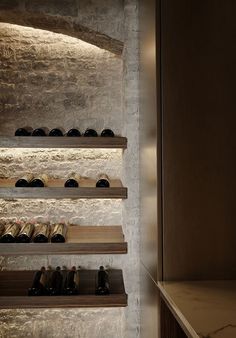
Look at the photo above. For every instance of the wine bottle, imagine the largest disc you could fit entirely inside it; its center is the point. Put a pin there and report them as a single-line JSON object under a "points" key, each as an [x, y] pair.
{"points": [[24, 236], [72, 282], [103, 181], [24, 181], [72, 181], [41, 233], [56, 282], [58, 233], [40, 132], [56, 132], [90, 133], [39, 181], [107, 133], [26, 131], [39, 283], [102, 282], [73, 133], [10, 233]]}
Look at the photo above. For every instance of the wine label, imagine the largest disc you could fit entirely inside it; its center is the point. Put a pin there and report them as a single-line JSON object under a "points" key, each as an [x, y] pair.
{"points": [[27, 177], [27, 229], [41, 229], [59, 229], [103, 177], [75, 177], [11, 229], [76, 278], [43, 279]]}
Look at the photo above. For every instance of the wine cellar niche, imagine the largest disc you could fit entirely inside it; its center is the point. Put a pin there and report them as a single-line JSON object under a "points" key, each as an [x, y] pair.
{"points": [[64, 71]]}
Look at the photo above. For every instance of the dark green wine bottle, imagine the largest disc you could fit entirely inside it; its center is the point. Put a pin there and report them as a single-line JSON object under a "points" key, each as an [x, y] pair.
{"points": [[56, 132], [72, 282], [58, 233], [41, 233], [107, 133], [103, 181], [26, 131], [24, 181], [102, 282], [39, 181], [72, 181], [73, 133], [10, 233], [40, 132], [25, 233], [56, 282], [90, 133], [39, 283]]}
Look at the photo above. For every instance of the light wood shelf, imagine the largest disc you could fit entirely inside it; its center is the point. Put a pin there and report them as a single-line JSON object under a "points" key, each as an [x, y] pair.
{"points": [[56, 190], [62, 142], [80, 240], [14, 287]]}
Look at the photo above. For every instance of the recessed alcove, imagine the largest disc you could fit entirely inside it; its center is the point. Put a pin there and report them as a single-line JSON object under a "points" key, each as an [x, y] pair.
{"points": [[55, 80], [79, 71]]}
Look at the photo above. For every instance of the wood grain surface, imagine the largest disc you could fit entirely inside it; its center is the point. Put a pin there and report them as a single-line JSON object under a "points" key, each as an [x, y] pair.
{"points": [[14, 292], [55, 189], [62, 142], [80, 240]]}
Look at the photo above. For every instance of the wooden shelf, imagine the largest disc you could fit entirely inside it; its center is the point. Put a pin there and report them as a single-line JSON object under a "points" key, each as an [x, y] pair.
{"points": [[56, 190], [63, 142], [80, 240], [14, 292], [203, 308]]}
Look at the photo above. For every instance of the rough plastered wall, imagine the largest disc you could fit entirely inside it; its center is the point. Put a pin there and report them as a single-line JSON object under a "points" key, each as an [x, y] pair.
{"points": [[52, 80], [107, 77]]}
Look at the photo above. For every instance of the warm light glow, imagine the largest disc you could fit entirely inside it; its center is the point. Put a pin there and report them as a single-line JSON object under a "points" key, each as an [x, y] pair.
{"points": [[46, 36], [150, 50], [74, 211], [89, 153], [149, 162], [59, 163]]}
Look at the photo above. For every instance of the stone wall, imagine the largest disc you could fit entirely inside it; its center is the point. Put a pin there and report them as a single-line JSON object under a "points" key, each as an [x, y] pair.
{"points": [[76, 323], [103, 92], [52, 80]]}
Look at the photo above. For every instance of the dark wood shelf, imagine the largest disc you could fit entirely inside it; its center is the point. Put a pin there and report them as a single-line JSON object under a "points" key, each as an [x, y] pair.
{"points": [[80, 240], [63, 142], [56, 190], [14, 292]]}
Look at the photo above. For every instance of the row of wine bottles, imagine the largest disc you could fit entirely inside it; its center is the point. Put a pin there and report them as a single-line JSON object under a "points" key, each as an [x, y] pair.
{"points": [[13, 232], [28, 131], [73, 181], [61, 282]]}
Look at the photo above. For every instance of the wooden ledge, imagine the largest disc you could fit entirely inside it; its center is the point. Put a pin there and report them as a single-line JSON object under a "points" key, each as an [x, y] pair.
{"points": [[116, 142], [14, 292], [56, 190], [80, 240]]}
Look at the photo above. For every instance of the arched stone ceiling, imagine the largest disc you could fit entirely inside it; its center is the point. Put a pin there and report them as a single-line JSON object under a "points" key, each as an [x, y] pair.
{"points": [[63, 25]]}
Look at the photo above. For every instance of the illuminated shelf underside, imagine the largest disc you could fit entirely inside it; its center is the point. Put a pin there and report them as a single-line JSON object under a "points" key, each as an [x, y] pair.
{"points": [[14, 287], [63, 142], [80, 240], [56, 190]]}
